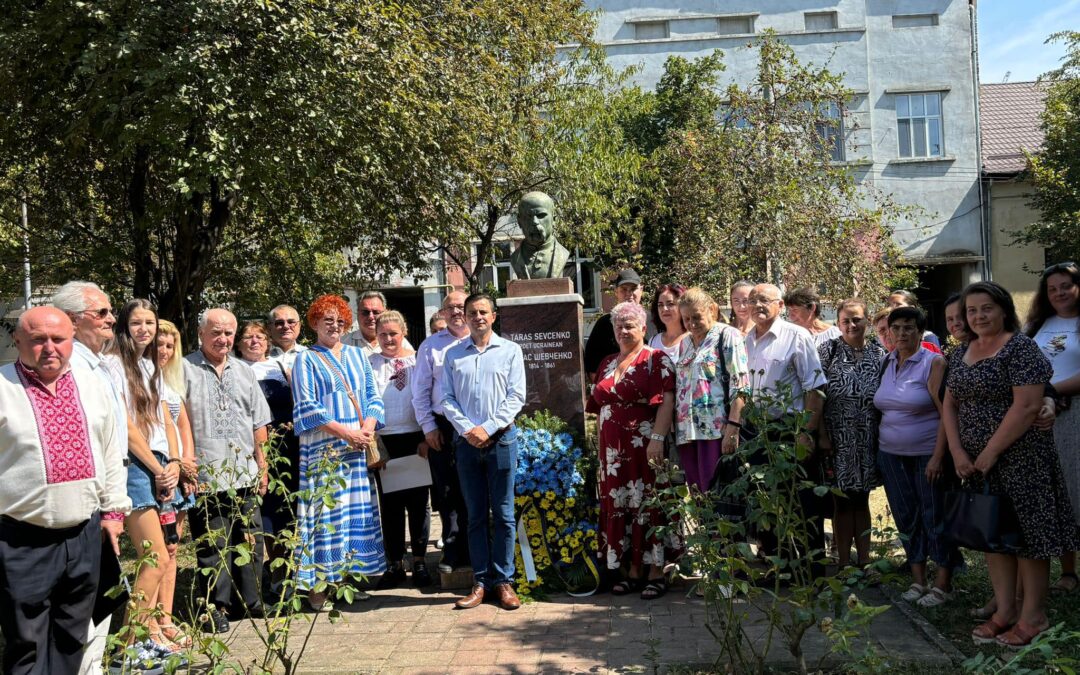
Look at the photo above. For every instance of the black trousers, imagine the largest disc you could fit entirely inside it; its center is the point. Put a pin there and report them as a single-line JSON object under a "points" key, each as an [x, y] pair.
{"points": [[394, 505], [48, 580], [447, 495], [219, 515], [810, 506]]}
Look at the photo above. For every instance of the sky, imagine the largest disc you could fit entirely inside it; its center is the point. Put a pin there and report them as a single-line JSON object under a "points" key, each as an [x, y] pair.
{"points": [[1012, 33]]}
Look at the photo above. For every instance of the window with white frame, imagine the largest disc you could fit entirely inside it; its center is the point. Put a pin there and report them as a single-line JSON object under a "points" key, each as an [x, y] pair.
{"points": [[918, 125], [829, 127], [651, 30], [820, 20], [497, 270]]}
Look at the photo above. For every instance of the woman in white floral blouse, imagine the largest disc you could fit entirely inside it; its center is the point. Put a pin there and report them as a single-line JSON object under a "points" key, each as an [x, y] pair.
{"points": [[711, 378]]}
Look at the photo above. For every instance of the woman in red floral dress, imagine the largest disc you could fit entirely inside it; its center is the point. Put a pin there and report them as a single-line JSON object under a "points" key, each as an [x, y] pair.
{"points": [[633, 397]]}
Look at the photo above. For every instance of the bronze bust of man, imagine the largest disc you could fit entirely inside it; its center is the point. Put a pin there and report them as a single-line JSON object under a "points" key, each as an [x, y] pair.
{"points": [[540, 255]]}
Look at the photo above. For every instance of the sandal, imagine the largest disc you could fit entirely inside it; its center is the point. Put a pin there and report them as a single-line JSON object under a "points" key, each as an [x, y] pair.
{"points": [[164, 645], [176, 636], [935, 598], [654, 589], [914, 592], [1018, 637], [626, 586], [1066, 583], [987, 633]]}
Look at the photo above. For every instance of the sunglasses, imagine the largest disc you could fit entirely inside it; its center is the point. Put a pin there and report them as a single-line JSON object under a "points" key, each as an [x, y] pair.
{"points": [[1067, 266], [371, 312], [99, 313], [281, 323]]}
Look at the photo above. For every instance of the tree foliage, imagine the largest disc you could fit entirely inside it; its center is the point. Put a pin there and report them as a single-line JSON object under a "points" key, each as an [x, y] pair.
{"points": [[1055, 168], [196, 151], [745, 186]]}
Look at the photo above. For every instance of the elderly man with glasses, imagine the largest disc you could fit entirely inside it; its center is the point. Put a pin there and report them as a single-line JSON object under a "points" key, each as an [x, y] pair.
{"points": [[91, 314], [284, 323], [785, 375]]}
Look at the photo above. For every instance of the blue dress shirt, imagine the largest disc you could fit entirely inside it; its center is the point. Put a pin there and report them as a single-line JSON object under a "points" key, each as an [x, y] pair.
{"points": [[483, 388]]}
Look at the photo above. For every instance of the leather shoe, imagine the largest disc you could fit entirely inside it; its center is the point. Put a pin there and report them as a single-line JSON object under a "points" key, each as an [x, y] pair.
{"points": [[473, 599], [508, 599]]}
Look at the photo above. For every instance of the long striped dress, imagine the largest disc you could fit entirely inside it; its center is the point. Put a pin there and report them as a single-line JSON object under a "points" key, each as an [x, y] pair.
{"points": [[346, 538]]}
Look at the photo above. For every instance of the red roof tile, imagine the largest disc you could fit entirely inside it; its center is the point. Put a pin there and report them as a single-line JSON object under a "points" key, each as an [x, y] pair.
{"points": [[1010, 124]]}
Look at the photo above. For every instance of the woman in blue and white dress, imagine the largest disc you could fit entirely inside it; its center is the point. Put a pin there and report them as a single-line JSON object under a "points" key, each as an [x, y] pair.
{"points": [[336, 410]]}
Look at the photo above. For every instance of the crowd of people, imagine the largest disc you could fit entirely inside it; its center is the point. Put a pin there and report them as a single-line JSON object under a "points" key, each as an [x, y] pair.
{"points": [[107, 427]]}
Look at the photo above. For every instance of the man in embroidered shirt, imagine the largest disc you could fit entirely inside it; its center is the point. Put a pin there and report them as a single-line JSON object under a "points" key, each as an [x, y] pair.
{"points": [[484, 390], [428, 379], [91, 313], [785, 373], [284, 322], [63, 468], [369, 307], [228, 422]]}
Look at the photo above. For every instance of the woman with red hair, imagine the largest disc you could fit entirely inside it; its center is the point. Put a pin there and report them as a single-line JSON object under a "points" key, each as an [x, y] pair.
{"points": [[336, 410]]}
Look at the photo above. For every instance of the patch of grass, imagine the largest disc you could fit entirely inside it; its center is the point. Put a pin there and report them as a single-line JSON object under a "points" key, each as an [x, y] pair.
{"points": [[972, 589]]}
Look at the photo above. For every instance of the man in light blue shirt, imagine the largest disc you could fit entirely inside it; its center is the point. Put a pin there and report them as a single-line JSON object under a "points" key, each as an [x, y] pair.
{"points": [[484, 390]]}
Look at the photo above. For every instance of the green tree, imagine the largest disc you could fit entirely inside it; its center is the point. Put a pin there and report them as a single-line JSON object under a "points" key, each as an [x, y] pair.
{"points": [[205, 150], [1055, 168], [753, 193]]}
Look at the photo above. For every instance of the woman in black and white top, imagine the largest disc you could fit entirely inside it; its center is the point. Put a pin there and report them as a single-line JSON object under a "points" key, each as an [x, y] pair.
{"points": [[402, 436]]}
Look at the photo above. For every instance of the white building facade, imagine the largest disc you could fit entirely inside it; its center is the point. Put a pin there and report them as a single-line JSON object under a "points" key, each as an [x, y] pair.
{"points": [[911, 127]]}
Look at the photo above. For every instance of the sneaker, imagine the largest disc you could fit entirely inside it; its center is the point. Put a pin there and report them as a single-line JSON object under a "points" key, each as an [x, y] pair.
{"points": [[445, 568], [420, 576], [137, 658], [392, 578], [914, 592], [440, 544], [215, 621]]}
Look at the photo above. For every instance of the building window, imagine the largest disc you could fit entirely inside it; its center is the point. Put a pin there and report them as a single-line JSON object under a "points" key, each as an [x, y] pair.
{"points": [[820, 20], [914, 20], [497, 270], [651, 30], [586, 281], [829, 127], [734, 25], [918, 125], [732, 117]]}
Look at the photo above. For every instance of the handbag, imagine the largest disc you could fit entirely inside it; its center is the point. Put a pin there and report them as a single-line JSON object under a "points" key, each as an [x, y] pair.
{"points": [[981, 522], [374, 452]]}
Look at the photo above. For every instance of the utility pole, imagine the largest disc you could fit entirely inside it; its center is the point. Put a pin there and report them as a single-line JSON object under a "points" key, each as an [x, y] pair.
{"points": [[27, 289]]}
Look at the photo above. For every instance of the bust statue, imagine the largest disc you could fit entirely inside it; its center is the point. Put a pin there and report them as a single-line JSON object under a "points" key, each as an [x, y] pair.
{"points": [[540, 255]]}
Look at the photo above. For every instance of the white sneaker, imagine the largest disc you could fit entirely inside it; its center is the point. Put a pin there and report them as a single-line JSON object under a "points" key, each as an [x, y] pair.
{"points": [[935, 598], [914, 592]]}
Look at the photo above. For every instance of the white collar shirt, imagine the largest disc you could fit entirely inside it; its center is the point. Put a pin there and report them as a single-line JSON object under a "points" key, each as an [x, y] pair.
{"points": [[783, 361]]}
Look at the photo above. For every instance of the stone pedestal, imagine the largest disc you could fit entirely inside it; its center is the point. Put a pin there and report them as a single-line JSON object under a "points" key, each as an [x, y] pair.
{"points": [[549, 329]]}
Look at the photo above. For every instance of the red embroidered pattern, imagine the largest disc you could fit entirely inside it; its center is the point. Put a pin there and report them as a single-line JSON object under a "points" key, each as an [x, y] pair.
{"points": [[62, 428]]}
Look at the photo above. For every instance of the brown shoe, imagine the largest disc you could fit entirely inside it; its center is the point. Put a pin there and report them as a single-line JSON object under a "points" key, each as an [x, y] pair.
{"points": [[508, 599], [473, 599]]}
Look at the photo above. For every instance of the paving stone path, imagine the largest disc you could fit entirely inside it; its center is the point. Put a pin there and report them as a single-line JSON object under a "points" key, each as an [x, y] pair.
{"points": [[409, 631]]}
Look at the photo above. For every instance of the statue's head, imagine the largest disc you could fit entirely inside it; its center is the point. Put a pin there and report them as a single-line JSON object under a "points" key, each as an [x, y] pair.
{"points": [[536, 218]]}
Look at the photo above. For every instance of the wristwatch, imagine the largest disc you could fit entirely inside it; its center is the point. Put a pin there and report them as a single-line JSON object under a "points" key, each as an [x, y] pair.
{"points": [[656, 437]]}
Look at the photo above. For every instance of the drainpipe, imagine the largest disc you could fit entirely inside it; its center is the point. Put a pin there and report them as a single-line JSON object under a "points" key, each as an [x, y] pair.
{"points": [[984, 207]]}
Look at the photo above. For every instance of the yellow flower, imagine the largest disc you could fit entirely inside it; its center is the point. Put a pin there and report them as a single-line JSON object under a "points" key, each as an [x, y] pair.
{"points": [[545, 504], [549, 494], [570, 501]]}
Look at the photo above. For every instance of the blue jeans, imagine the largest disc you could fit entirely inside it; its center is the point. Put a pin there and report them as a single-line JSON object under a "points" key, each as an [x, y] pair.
{"points": [[917, 506], [487, 483]]}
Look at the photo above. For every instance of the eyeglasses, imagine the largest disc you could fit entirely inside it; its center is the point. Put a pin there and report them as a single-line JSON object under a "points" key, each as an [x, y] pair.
{"points": [[100, 313], [1067, 266], [281, 323], [371, 312], [331, 321]]}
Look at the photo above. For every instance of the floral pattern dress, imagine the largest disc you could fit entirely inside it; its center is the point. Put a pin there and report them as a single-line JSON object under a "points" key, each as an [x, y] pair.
{"points": [[700, 408], [626, 410], [853, 379], [1028, 472]]}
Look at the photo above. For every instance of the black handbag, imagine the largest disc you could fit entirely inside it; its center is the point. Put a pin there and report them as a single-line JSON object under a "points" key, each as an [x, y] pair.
{"points": [[981, 522]]}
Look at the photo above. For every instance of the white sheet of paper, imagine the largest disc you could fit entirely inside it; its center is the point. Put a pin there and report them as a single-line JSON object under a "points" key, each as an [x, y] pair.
{"points": [[404, 473]]}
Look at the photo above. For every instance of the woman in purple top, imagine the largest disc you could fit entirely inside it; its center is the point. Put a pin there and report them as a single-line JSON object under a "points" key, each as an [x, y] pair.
{"points": [[910, 453]]}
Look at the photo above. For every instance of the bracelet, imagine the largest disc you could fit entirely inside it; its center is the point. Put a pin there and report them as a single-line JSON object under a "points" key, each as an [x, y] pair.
{"points": [[173, 460], [656, 437], [735, 424], [113, 515]]}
